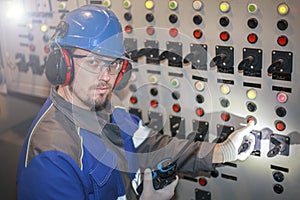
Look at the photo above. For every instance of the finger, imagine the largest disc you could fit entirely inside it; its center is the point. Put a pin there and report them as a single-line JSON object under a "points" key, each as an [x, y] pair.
{"points": [[147, 185], [247, 129]]}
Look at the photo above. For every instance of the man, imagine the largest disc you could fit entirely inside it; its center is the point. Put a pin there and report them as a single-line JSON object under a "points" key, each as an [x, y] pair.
{"points": [[81, 146]]}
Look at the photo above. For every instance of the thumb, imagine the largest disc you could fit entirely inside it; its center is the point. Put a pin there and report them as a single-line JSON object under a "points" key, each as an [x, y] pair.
{"points": [[245, 130], [147, 185]]}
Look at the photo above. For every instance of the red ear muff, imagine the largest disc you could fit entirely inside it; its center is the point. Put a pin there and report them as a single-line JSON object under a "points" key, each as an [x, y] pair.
{"points": [[123, 76], [69, 65], [59, 67]]}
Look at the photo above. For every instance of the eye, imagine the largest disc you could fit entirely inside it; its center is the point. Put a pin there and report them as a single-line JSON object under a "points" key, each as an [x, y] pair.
{"points": [[92, 62]]}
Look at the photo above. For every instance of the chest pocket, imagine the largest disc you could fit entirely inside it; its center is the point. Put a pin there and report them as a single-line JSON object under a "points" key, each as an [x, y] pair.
{"points": [[105, 176]]}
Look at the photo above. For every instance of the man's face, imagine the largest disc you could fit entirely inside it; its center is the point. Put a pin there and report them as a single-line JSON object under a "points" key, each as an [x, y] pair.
{"points": [[93, 82]]}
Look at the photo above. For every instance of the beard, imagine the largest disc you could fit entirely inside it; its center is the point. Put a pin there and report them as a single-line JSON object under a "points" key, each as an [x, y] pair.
{"points": [[104, 103], [91, 98]]}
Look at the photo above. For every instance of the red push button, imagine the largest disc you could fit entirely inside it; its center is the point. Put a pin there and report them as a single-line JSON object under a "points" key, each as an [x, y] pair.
{"points": [[282, 40], [173, 32], [176, 108], [224, 36], [133, 99], [252, 38], [225, 116], [128, 29], [197, 33], [280, 125], [199, 112], [202, 181], [154, 103]]}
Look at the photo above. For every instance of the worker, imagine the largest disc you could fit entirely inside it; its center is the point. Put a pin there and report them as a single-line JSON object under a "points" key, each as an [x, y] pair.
{"points": [[82, 145]]}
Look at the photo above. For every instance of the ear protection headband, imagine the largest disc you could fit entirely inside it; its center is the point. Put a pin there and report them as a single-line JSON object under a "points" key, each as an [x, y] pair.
{"points": [[59, 67], [123, 76]]}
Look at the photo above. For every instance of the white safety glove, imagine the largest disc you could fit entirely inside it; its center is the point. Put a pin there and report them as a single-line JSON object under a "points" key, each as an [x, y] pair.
{"points": [[230, 147], [149, 193]]}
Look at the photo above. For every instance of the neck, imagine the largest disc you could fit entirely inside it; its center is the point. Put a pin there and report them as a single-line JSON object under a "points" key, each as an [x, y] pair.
{"points": [[66, 93]]}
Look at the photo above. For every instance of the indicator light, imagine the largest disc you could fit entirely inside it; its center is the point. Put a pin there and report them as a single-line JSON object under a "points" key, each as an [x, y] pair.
{"points": [[224, 21], [176, 107], [197, 33], [197, 5], [224, 7], [252, 8], [31, 47], [252, 23], [282, 40], [127, 16], [175, 82], [46, 38], [224, 102], [153, 91], [280, 125], [224, 36], [62, 5], [278, 176], [250, 119], [225, 116], [252, 38], [149, 5], [283, 9], [149, 17], [251, 94], [197, 19], [150, 30], [225, 89], [175, 95], [173, 5], [128, 29], [199, 85], [153, 79], [199, 98], [202, 181], [280, 111], [173, 32], [47, 49], [282, 24], [107, 3], [44, 28], [133, 99], [127, 4], [251, 107], [199, 112], [153, 103], [173, 18], [282, 97]]}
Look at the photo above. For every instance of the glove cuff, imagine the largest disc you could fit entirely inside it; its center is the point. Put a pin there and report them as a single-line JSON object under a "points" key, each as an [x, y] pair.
{"points": [[228, 151]]}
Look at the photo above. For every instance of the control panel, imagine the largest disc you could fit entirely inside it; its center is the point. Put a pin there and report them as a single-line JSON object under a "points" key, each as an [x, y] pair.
{"points": [[200, 69]]}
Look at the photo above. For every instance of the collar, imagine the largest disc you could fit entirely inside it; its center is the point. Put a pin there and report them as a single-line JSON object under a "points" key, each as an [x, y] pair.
{"points": [[93, 121]]}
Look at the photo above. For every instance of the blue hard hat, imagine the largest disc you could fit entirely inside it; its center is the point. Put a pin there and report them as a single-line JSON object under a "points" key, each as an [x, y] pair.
{"points": [[94, 28]]}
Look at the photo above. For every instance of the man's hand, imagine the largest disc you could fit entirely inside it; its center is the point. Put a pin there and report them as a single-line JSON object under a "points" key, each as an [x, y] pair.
{"points": [[230, 147], [149, 193]]}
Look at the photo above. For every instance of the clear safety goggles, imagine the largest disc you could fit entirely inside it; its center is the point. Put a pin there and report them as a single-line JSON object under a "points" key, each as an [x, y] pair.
{"points": [[98, 64]]}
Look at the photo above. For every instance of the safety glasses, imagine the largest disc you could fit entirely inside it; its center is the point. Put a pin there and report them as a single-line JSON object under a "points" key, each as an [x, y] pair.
{"points": [[98, 64]]}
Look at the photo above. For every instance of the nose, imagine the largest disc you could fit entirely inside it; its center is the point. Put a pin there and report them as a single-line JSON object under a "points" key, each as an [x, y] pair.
{"points": [[104, 75]]}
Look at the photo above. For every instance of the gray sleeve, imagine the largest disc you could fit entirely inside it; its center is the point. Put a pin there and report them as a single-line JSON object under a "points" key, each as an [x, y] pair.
{"points": [[198, 157]]}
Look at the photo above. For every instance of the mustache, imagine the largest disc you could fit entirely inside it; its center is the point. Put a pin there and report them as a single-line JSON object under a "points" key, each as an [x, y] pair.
{"points": [[103, 84]]}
